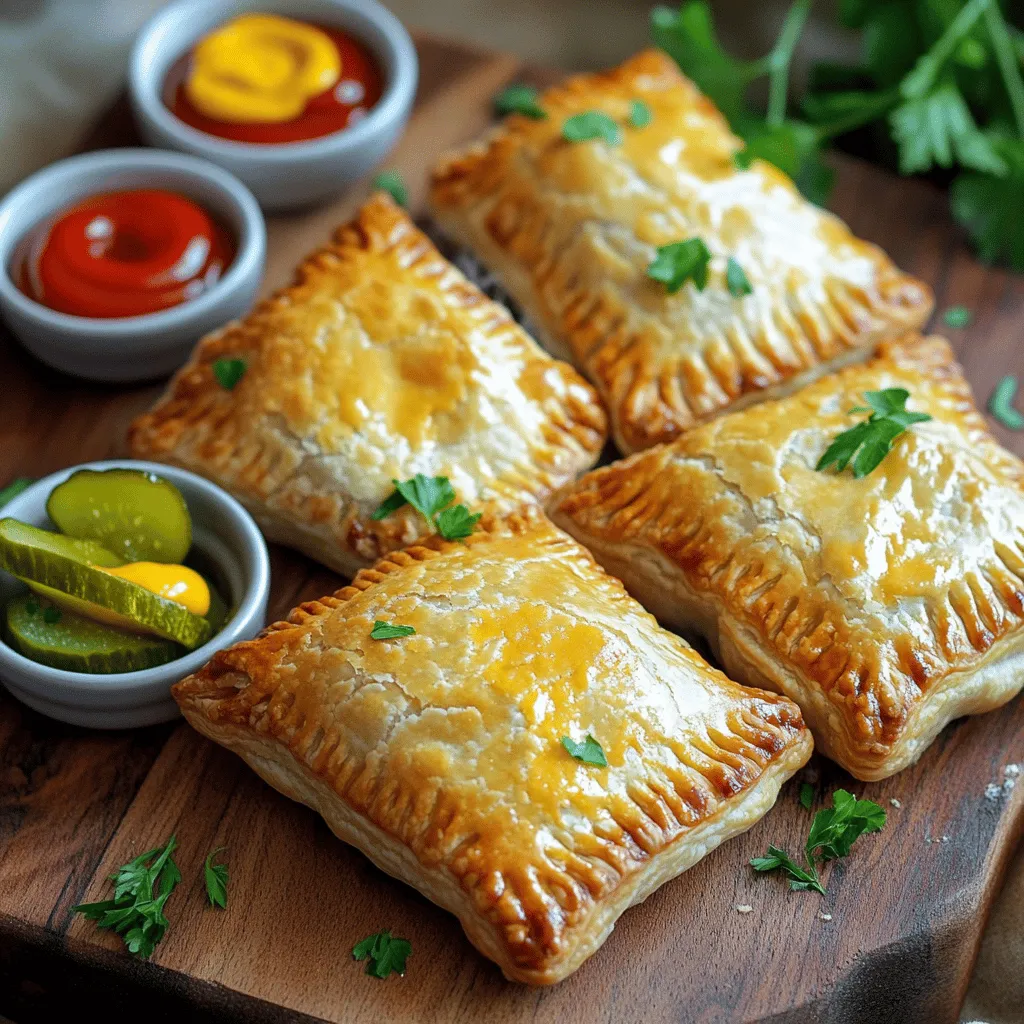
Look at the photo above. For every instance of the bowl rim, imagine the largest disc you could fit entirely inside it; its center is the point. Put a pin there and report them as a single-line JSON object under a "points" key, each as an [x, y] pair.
{"points": [[255, 557], [249, 256], [399, 89]]}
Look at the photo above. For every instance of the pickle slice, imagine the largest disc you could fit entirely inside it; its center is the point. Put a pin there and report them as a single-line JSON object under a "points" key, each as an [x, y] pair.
{"points": [[61, 639], [34, 556], [139, 516]]}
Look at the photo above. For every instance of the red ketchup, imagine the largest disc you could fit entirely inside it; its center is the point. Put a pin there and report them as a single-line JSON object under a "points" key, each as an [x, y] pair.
{"points": [[336, 108], [125, 254]]}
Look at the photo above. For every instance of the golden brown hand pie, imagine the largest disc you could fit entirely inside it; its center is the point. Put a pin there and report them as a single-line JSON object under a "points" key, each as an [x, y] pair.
{"points": [[571, 228], [885, 606], [439, 755], [381, 361]]}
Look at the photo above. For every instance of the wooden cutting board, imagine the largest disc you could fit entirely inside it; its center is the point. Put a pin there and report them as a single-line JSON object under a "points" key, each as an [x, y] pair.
{"points": [[906, 910]]}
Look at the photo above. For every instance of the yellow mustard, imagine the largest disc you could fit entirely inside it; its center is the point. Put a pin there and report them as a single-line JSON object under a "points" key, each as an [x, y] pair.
{"points": [[176, 583], [261, 69]]}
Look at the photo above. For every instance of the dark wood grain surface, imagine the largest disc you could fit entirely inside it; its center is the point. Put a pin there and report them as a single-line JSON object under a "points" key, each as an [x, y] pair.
{"points": [[906, 910]]}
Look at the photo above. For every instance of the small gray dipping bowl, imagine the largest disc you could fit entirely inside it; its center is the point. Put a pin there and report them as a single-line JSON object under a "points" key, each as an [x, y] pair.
{"points": [[129, 348], [226, 535], [292, 174]]}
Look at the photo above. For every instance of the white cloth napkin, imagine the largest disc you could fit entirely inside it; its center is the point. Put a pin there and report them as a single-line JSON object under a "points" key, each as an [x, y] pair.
{"points": [[61, 63]]}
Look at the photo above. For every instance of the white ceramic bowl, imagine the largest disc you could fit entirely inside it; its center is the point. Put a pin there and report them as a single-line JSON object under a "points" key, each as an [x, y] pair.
{"points": [[286, 175], [135, 347], [223, 531]]}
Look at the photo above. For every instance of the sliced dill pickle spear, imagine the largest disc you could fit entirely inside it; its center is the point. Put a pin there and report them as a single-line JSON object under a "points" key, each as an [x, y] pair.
{"points": [[139, 516], [61, 639], [32, 555]]}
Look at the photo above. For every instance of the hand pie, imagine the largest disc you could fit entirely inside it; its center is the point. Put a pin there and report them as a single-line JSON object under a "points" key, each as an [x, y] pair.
{"points": [[885, 607], [439, 754], [381, 361], [571, 228]]}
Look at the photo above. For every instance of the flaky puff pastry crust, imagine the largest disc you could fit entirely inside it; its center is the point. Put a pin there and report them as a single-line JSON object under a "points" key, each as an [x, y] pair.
{"points": [[439, 755], [571, 228], [886, 606], [379, 362]]}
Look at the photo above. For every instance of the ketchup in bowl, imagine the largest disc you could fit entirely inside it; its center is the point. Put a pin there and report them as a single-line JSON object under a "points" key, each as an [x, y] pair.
{"points": [[262, 78], [124, 254]]}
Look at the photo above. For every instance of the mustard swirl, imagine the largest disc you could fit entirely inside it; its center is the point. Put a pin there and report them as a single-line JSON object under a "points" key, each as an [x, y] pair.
{"points": [[261, 68]]}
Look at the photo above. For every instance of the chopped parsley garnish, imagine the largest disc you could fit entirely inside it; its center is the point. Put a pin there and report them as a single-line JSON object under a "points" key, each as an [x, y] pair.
{"points": [[588, 752], [432, 497], [383, 954], [736, 279], [141, 890], [216, 880], [833, 833], [51, 615], [591, 124], [519, 99], [31, 607], [386, 631], [391, 182], [957, 317], [870, 441], [806, 796], [14, 488], [679, 262], [640, 115], [229, 372], [1001, 404]]}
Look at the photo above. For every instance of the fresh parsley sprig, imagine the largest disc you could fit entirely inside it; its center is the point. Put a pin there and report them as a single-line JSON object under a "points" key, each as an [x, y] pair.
{"points": [[142, 888], [519, 99], [216, 876], [833, 833], [383, 953], [387, 631], [391, 182], [679, 262], [14, 488], [432, 497], [871, 440], [587, 751], [592, 124], [229, 372]]}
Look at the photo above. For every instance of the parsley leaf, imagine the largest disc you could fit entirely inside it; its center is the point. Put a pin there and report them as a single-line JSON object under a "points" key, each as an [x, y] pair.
{"points": [[869, 442], [216, 880], [957, 317], [391, 182], [688, 37], [383, 953], [806, 796], [14, 488], [799, 879], [431, 496], [588, 752], [640, 115], [519, 99], [991, 209], [833, 833], [937, 128], [736, 279], [591, 124], [679, 262], [141, 890], [386, 631], [229, 372], [457, 522], [1001, 404]]}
